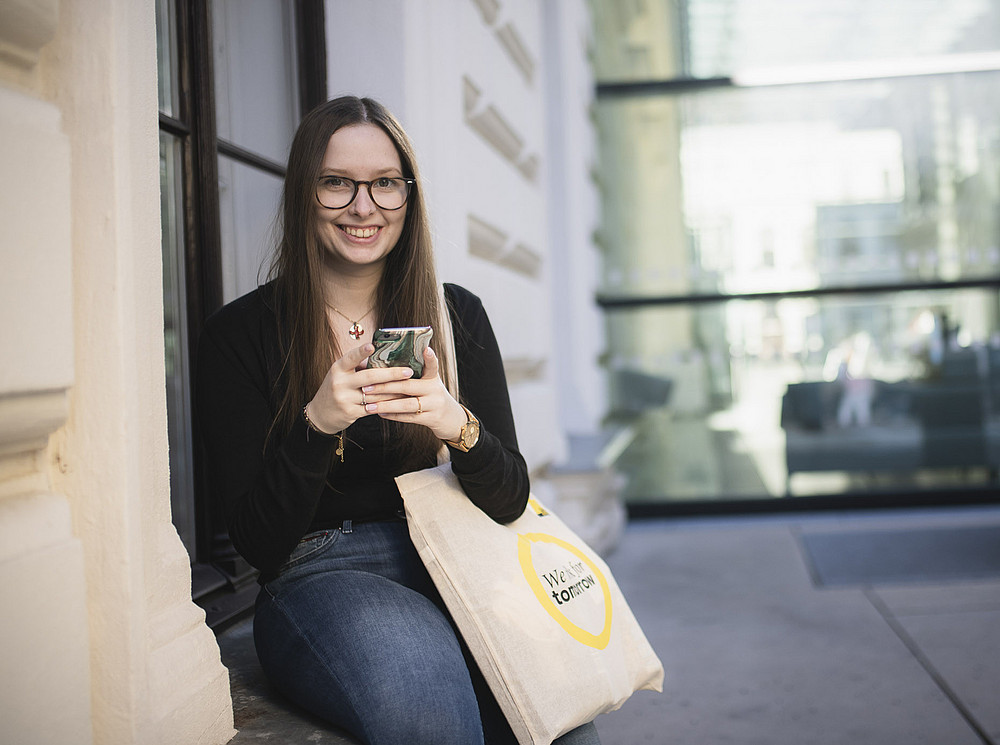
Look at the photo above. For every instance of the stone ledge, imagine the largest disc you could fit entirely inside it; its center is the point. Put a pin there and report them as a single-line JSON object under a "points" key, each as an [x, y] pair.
{"points": [[260, 713], [27, 420]]}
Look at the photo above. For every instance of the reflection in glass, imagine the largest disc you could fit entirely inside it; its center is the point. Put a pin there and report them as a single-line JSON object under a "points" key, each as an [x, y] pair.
{"points": [[175, 340], [804, 187], [724, 37], [809, 396], [875, 181], [256, 83], [635, 40], [166, 56], [248, 209]]}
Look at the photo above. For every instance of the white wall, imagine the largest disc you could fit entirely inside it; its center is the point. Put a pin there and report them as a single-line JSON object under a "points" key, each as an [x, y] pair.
{"points": [[99, 638], [43, 614], [574, 216]]}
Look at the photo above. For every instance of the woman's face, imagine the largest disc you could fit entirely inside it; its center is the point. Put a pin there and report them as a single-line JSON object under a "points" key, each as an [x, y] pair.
{"points": [[361, 235]]}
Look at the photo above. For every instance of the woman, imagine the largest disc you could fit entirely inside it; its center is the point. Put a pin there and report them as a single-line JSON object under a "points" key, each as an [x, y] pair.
{"points": [[302, 442]]}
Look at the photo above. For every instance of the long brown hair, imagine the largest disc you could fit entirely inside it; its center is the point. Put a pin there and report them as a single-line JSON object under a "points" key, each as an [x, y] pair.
{"points": [[407, 294]]}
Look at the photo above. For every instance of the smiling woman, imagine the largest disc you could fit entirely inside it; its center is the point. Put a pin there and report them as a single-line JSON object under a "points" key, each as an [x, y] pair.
{"points": [[303, 442]]}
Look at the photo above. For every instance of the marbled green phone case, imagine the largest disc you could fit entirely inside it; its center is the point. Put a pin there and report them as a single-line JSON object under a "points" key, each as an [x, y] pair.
{"points": [[401, 347]]}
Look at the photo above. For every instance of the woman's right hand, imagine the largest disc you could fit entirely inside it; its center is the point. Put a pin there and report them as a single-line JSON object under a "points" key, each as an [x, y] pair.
{"points": [[339, 401]]}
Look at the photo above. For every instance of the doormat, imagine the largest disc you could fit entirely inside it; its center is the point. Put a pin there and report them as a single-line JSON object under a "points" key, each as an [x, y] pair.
{"points": [[874, 557]]}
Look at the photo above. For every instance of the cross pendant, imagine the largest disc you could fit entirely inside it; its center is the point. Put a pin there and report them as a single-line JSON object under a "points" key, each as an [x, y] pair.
{"points": [[357, 331]]}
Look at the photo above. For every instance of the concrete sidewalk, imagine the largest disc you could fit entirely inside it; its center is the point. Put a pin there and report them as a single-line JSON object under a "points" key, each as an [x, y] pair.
{"points": [[777, 630], [758, 653]]}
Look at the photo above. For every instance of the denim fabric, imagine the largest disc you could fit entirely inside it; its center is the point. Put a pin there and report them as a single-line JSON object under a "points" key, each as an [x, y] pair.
{"points": [[353, 630]]}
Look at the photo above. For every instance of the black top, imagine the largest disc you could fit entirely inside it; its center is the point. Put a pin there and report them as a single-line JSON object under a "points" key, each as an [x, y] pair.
{"points": [[276, 490]]}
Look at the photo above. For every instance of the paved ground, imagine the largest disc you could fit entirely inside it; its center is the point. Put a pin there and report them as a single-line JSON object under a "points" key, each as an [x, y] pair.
{"points": [[782, 630]]}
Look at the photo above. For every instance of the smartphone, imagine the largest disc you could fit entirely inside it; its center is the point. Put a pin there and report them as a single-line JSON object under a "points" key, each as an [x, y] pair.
{"points": [[401, 347]]}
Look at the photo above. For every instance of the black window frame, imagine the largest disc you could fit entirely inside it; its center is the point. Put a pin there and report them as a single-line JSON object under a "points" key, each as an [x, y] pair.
{"points": [[223, 584]]}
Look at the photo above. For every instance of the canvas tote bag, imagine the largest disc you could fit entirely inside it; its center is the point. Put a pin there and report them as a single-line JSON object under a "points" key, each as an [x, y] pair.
{"points": [[538, 608]]}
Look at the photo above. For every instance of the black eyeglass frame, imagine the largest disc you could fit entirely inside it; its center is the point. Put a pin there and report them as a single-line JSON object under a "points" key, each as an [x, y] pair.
{"points": [[410, 183]]}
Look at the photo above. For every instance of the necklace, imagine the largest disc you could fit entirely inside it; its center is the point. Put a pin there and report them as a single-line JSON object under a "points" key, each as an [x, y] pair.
{"points": [[357, 330]]}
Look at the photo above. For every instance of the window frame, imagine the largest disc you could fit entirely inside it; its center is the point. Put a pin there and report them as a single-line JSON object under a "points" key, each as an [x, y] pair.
{"points": [[222, 581]]}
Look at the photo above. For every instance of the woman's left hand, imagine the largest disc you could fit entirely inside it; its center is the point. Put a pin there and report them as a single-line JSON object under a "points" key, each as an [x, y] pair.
{"points": [[419, 401]]}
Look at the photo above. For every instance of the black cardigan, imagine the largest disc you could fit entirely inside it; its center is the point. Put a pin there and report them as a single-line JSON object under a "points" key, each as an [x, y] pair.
{"points": [[274, 491]]}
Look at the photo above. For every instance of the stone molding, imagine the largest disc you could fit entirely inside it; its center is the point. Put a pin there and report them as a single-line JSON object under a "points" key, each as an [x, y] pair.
{"points": [[510, 39], [488, 9], [524, 369], [491, 243], [489, 123], [25, 27], [27, 420], [514, 45], [36, 338]]}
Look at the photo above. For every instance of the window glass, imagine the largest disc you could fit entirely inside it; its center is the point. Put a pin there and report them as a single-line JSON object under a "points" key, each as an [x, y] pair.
{"points": [[727, 37], [835, 39], [808, 396], [801, 268], [256, 83], [636, 39], [804, 187], [175, 339], [166, 56], [248, 208]]}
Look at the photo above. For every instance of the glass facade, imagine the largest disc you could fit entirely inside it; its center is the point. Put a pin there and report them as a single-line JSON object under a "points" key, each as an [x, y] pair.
{"points": [[801, 266]]}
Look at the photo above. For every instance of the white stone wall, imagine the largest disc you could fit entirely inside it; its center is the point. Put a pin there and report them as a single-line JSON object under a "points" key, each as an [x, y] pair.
{"points": [[574, 216], [99, 638], [494, 94]]}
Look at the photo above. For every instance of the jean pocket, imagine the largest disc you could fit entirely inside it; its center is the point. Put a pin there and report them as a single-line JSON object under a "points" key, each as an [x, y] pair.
{"points": [[311, 545]]}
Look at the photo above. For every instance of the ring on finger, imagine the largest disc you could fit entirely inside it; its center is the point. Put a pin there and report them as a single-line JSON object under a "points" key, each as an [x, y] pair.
{"points": [[364, 399], [420, 408]]}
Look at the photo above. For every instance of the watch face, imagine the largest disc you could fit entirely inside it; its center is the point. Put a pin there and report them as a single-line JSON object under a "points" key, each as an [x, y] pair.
{"points": [[470, 433]]}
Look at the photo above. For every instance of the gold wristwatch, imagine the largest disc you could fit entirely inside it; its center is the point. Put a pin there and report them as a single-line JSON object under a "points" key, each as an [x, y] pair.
{"points": [[469, 435]]}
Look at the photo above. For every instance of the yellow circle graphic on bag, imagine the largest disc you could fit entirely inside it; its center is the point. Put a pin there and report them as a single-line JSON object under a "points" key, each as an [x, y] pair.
{"points": [[568, 585]]}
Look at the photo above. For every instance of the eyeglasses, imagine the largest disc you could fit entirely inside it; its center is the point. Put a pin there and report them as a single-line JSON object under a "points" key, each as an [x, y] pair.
{"points": [[336, 192]]}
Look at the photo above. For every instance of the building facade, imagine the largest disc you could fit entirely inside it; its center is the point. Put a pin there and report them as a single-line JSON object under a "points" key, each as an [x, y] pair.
{"points": [[100, 639]]}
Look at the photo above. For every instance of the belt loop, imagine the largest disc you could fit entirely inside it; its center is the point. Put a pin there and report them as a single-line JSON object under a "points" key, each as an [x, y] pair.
{"points": [[347, 527]]}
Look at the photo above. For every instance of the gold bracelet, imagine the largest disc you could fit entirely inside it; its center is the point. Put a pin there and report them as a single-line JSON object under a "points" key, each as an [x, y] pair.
{"points": [[314, 428], [309, 422]]}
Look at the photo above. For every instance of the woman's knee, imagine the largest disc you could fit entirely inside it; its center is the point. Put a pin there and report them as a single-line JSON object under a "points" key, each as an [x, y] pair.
{"points": [[382, 669]]}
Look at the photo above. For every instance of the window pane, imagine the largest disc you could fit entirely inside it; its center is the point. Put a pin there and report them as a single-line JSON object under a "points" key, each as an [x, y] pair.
{"points": [[248, 207], [256, 83], [166, 56], [809, 396], [729, 36], [803, 187], [660, 39], [635, 40], [175, 341]]}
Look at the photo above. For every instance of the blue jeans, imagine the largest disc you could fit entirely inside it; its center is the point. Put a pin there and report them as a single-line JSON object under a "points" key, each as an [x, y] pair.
{"points": [[353, 630]]}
